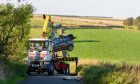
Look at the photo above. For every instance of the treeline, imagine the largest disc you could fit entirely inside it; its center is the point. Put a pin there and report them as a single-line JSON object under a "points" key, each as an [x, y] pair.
{"points": [[132, 23]]}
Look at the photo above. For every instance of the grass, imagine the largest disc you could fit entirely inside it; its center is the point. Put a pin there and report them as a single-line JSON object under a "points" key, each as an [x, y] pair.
{"points": [[12, 72], [106, 44], [103, 44], [106, 73]]}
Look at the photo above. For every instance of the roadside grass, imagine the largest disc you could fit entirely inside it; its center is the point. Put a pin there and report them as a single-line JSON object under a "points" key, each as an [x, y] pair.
{"points": [[17, 74], [108, 73], [106, 45], [13, 72]]}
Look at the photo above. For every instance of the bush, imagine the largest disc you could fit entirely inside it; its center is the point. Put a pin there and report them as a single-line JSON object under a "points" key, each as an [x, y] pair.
{"points": [[128, 21], [14, 30], [14, 34], [137, 23], [13, 72], [104, 73]]}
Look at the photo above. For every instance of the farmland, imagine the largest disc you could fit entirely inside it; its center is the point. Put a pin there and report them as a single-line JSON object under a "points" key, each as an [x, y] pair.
{"points": [[107, 44], [104, 44], [106, 56], [98, 44], [118, 49], [77, 21]]}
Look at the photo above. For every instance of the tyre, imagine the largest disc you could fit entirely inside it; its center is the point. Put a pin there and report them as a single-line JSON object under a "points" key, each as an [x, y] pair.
{"points": [[70, 47]]}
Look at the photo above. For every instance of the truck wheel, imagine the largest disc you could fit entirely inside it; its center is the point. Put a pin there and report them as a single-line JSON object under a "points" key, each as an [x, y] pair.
{"points": [[70, 47]]}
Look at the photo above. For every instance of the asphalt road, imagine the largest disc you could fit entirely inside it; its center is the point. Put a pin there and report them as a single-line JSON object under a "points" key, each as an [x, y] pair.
{"points": [[56, 79]]}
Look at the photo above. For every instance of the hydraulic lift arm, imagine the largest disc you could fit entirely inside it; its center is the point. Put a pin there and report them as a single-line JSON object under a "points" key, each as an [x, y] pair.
{"points": [[46, 28]]}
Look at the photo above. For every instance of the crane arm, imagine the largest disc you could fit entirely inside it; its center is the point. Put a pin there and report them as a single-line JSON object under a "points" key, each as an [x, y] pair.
{"points": [[46, 29]]}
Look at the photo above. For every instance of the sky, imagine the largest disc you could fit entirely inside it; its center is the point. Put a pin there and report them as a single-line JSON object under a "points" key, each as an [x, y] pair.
{"points": [[107, 8]]}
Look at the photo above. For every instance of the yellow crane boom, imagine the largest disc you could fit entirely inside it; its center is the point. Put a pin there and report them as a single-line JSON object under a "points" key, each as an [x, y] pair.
{"points": [[46, 27], [47, 22]]}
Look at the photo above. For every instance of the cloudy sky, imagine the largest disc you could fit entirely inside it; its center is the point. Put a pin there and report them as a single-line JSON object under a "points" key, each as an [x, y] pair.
{"points": [[109, 8]]}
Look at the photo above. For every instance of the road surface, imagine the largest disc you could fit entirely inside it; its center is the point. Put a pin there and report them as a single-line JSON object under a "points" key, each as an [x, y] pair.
{"points": [[56, 79]]}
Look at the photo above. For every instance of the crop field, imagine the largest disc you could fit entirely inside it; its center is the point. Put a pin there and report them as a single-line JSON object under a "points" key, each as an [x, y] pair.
{"points": [[73, 21]]}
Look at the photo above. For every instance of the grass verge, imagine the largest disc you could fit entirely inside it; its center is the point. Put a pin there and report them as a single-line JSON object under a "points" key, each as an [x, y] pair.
{"points": [[107, 73], [13, 72]]}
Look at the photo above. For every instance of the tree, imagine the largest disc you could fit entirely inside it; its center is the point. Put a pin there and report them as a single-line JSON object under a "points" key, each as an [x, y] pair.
{"points": [[128, 21], [137, 23], [14, 29]]}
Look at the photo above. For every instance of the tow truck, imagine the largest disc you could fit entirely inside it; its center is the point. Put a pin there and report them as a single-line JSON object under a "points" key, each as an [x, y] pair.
{"points": [[44, 55]]}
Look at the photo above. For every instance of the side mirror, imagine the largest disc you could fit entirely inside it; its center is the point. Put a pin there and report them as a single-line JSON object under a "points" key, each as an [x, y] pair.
{"points": [[44, 16]]}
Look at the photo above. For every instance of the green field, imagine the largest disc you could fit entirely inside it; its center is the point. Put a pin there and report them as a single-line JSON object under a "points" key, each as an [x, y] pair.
{"points": [[107, 44], [104, 44]]}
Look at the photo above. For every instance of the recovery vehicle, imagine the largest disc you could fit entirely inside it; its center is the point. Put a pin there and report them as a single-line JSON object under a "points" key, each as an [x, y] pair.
{"points": [[48, 53]]}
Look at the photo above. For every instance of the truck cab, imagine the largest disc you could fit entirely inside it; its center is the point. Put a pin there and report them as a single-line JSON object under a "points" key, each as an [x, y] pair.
{"points": [[39, 56]]}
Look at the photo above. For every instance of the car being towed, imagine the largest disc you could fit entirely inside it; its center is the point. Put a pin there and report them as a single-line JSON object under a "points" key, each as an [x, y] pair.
{"points": [[64, 42]]}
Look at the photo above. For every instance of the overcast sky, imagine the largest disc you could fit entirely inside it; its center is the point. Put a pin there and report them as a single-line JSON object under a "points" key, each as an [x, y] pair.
{"points": [[109, 8]]}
